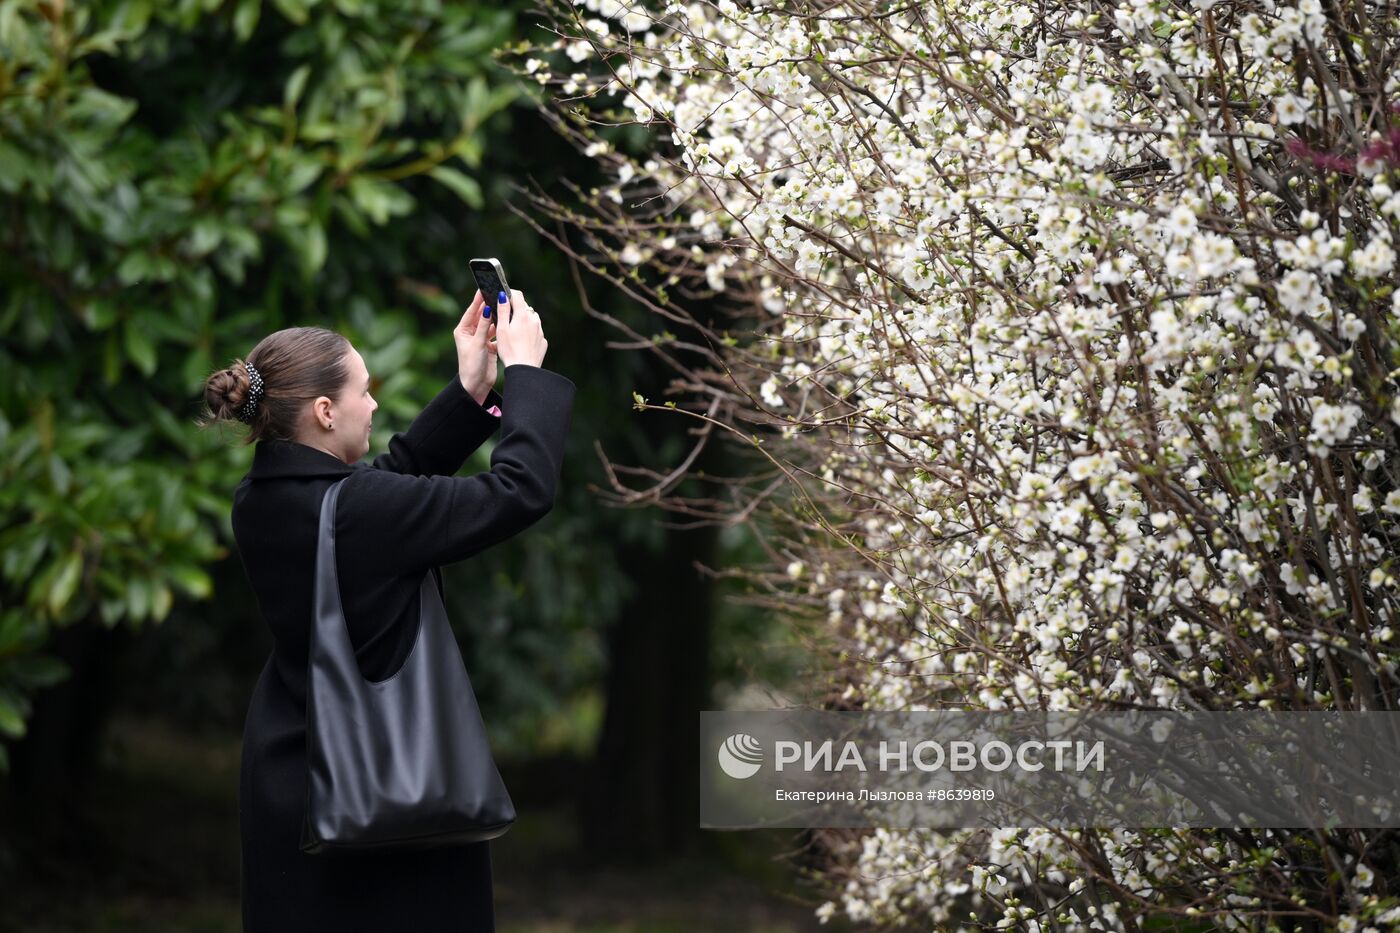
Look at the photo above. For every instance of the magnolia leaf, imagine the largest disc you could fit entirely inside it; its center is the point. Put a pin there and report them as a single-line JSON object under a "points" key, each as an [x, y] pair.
{"points": [[245, 19], [468, 189]]}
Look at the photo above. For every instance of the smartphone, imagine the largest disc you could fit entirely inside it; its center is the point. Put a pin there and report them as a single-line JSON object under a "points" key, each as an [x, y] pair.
{"points": [[491, 281]]}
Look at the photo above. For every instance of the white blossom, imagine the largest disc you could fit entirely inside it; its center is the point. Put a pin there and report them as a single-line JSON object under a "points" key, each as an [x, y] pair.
{"points": [[1290, 109], [1048, 311]]}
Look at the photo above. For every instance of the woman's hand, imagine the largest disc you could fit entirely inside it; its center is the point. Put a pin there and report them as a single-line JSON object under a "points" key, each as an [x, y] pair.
{"points": [[521, 334], [476, 353]]}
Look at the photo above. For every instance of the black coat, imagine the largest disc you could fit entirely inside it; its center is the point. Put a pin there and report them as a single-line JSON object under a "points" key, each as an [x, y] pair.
{"points": [[398, 518]]}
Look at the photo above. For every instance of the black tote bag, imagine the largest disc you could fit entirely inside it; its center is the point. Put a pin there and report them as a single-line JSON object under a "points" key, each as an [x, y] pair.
{"points": [[398, 764]]}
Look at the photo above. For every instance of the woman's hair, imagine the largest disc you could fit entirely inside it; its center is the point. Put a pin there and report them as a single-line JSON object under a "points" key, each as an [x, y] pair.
{"points": [[296, 365]]}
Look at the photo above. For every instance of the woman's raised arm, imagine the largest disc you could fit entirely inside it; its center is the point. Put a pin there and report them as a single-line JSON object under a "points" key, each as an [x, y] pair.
{"points": [[446, 432], [396, 522]]}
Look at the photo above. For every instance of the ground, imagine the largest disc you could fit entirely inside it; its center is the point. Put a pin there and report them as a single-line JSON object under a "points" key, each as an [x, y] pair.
{"points": [[113, 874]]}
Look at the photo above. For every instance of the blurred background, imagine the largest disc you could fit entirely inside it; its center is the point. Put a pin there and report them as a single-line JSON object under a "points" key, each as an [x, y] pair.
{"points": [[179, 178]]}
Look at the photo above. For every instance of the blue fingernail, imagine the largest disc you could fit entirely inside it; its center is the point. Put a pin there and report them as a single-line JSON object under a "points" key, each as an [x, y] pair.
{"points": [[486, 311], [502, 298]]}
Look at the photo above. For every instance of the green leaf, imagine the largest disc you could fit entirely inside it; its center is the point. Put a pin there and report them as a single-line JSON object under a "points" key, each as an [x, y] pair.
{"points": [[468, 189], [379, 199], [134, 15], [308, 241], [192, 580], [315, 247], [101, 108], [161, 600], [11, 719], [138, 598], [298, 177], [65, 582], [470, 151], [245, 19], [196, 367], [295, 85], [99, 313], [204, 236], [106, 42], [481, 101], [40, 670], [16, 167], [294, 10], [13, 631], [111, 611], [135, 268], [59, 474], [140, 347]]}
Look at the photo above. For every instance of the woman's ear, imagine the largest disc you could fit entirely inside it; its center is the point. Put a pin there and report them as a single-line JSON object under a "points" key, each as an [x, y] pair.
{"points": [[322, 409]]}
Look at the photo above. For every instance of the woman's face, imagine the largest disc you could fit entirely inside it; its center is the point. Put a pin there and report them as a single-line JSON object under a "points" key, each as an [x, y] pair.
{"points": [[352, 413]]}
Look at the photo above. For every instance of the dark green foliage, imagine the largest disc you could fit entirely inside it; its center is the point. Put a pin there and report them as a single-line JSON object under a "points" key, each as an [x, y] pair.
{"points": [[178, 179]]}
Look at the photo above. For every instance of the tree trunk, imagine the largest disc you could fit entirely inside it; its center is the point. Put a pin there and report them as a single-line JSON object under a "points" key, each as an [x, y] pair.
{"points": [[642, 799]]}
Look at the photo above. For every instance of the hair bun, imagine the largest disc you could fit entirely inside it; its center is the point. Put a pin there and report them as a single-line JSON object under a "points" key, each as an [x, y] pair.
{"points": [[298, 363], [227, 391]]}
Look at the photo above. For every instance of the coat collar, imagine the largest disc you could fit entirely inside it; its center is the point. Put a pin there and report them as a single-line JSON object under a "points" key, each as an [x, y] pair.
{"points": [[277, 458]]}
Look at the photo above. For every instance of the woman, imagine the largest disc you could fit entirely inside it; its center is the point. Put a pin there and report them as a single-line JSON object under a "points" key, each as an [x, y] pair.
{"points": [[304, 392]]}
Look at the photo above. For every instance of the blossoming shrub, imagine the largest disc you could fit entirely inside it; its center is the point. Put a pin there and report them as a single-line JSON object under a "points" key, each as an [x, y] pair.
{"points": [[1079, 322]]}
